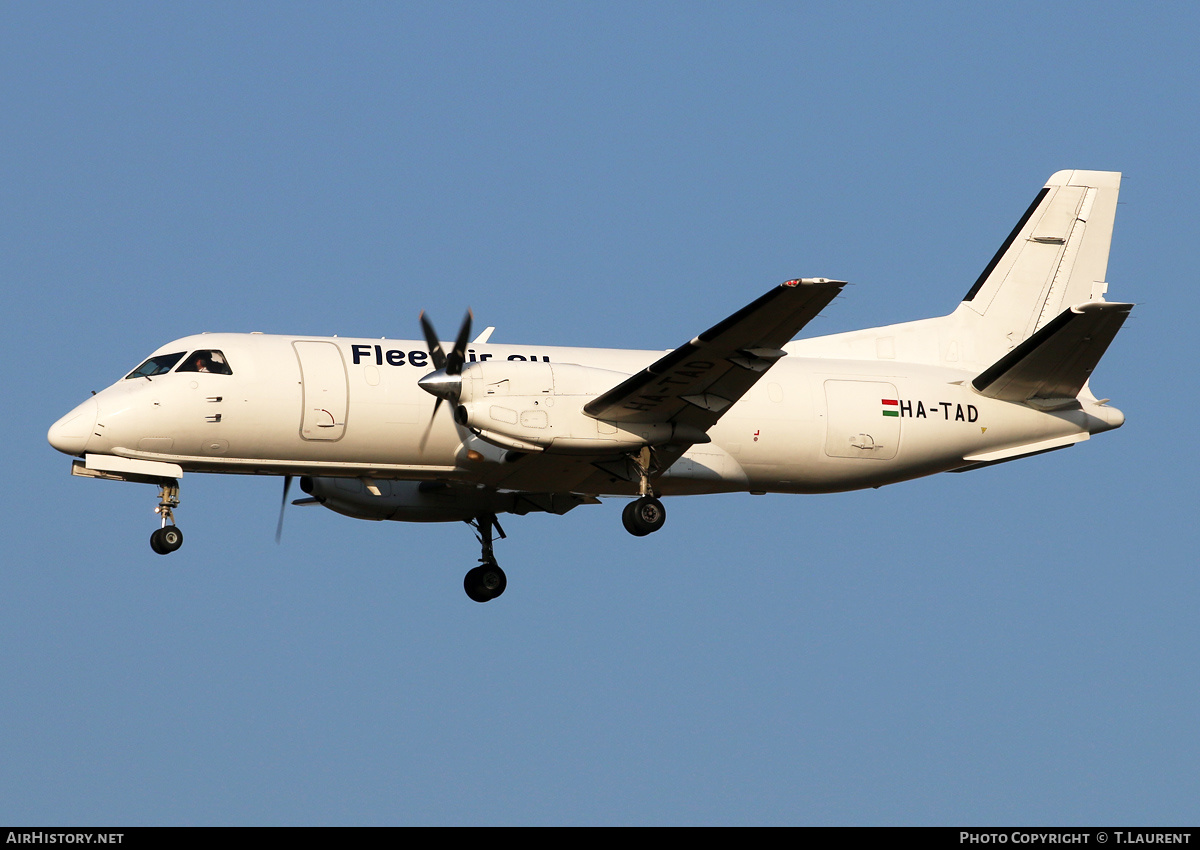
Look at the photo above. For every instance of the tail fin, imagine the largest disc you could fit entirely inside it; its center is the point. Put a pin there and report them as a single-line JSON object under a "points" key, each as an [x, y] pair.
{"points": [[1055, 257]]}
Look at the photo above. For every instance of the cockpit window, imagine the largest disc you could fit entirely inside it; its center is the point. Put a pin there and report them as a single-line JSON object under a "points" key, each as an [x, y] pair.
{"points": [[206, 360], [159, 365]]}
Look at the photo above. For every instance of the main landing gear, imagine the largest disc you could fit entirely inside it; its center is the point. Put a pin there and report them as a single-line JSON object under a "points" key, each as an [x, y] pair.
{"points": [[168, 538], [646, 514], [487, 581]]}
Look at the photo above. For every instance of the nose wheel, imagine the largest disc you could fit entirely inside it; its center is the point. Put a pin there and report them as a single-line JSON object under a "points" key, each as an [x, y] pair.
{"points": [[168, 538]]}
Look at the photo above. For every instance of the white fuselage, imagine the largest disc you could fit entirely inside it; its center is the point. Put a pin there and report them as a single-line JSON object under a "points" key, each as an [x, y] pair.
{"points": [[352, 408]]}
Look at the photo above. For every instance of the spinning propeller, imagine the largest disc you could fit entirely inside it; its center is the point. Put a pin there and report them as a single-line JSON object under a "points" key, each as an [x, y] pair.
{"points": [[287, 483], [446, 382]]}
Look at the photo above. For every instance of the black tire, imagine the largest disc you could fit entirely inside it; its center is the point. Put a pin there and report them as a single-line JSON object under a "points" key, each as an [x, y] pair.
{"points": [[644, 516], [630, 523], [156, 542], [485, 582], [473, 587], [493, 579], [170, 538]]}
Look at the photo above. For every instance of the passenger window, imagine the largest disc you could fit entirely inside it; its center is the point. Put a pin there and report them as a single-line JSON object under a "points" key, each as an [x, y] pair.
{"points": [[206, 361], [159, 365]]}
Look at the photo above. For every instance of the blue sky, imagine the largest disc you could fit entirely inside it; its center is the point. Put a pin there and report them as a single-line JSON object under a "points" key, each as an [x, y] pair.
{"points": [[1015, 645]]}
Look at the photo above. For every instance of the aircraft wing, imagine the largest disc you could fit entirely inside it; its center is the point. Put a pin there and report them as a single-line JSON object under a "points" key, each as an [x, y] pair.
{"points": [[697, 382]]}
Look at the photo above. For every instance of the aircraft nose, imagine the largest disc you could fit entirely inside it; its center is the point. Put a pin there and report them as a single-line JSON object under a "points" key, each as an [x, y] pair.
{"points": [[70, 434]]}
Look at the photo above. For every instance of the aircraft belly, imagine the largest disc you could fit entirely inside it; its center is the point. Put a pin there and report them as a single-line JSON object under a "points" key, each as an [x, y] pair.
{"points": [[706, 468]]}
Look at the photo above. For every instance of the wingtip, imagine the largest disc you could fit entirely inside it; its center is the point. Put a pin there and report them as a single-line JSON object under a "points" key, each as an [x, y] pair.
{"points": [[813, 281]]}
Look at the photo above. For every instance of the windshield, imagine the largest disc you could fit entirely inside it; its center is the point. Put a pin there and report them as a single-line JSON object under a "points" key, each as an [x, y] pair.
{"points": [[206, 360], [155, 366]]}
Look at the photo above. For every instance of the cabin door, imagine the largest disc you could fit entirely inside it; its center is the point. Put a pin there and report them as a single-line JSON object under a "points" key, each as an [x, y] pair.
{"points": [[326, 392]]}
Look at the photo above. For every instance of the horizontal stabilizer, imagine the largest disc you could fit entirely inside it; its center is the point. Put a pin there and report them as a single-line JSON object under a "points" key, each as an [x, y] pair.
{"points": [[1057, 360]]}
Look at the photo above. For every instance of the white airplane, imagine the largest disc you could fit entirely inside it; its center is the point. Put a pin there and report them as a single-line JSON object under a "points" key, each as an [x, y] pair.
{"points": [[742, 407]]}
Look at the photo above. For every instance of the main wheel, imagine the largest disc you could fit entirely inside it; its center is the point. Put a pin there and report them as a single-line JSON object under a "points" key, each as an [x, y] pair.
{"points": [[627, 519], [644, 516], [485, 582]]}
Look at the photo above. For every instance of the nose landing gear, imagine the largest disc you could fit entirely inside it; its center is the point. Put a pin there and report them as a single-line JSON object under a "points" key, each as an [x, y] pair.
{"points": [[168, 538]]}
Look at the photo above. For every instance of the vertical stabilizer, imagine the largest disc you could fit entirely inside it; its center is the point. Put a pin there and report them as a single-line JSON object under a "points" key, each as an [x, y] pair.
{"points": [[1056, 257]]}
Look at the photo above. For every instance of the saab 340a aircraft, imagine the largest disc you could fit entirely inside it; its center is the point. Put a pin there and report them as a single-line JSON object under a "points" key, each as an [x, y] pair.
{"points": [[406, 430]]}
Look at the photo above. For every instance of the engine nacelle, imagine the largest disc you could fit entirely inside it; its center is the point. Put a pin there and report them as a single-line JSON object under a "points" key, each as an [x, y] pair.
{"points": [[427, 501], [409, 501], [531, 406]]}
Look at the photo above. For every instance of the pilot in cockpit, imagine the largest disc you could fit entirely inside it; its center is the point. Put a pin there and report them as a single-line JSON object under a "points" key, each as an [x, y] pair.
{"points": [[206, 361]]}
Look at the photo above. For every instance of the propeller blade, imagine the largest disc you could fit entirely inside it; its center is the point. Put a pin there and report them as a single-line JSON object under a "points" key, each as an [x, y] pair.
{"points": [[437, 402], [287, 483], [454, 363], [431, 340], [445, 366]]}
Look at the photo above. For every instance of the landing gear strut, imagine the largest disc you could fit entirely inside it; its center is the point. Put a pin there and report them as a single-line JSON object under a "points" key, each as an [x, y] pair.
{"points": [[487, 581], [646, 514], [168, 538]]}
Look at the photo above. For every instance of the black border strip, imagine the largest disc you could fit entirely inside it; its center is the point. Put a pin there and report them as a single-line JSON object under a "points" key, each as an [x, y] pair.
{"points": [[1007, 243], [1026, 347]]}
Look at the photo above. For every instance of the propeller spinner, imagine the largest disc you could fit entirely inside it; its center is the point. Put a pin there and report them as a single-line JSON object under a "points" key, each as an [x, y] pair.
{"points": [[445, 383]]}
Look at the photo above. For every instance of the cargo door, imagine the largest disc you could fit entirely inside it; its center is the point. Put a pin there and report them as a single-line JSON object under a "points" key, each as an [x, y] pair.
{"points": [[863, 419]]}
